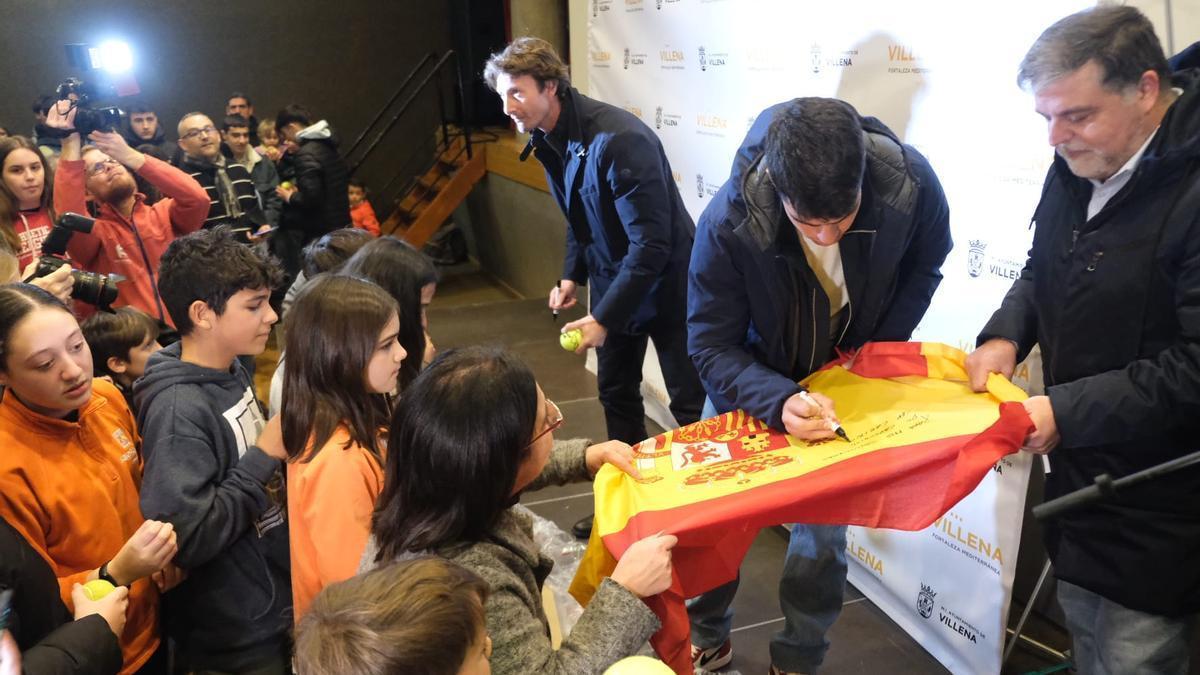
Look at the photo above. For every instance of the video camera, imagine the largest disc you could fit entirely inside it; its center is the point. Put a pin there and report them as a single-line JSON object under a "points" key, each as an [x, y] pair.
{"points": [[107, 69], [87, 117], [90, 287]]}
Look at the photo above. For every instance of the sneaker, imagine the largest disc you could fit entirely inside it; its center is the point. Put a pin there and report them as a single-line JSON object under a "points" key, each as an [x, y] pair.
{"points": [[708, 660]]}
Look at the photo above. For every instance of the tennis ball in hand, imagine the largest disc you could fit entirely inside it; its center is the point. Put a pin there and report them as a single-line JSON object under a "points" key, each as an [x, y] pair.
{"points": [[570, 340], [287, 185], [97, 588]]}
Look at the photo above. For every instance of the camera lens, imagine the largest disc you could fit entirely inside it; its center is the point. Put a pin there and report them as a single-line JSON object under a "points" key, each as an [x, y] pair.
{"points": [[95, 289]]}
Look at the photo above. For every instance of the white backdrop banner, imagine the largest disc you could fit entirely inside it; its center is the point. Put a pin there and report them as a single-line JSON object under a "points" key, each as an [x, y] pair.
{"points": [[942, 76]]}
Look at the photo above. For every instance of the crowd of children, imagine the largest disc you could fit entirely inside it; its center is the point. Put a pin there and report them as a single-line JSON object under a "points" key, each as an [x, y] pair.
{"points": [[157, 469], [359, 523]]}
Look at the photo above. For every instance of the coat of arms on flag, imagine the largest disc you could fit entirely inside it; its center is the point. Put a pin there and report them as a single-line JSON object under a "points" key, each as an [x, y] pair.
{"points": [[921, 440]]}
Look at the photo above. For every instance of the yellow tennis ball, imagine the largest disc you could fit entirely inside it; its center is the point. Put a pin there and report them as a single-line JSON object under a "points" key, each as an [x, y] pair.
{"points": [[287, 185], [97, 588], [639, 665], [570, 340]]}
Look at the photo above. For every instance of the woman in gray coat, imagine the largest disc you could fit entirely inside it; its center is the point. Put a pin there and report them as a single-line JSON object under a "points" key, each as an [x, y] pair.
{"points": [[471, 433]]}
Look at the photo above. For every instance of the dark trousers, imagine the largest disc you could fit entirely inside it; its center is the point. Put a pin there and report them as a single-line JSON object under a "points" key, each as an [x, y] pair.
{"points": [[158, 664], [288, 247], [619, 372]]}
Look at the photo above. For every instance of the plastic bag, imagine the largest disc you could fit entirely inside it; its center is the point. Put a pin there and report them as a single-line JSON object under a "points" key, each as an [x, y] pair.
{"points": [[566, 551]]}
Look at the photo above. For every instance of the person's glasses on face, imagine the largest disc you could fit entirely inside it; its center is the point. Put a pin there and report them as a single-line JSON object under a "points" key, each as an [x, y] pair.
{"points": [[554, 421], [196, 133], [100, 166]]}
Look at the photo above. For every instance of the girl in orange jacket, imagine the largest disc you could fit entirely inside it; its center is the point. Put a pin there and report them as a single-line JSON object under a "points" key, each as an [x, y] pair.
{"points": [[340, 370], [70, 470]]}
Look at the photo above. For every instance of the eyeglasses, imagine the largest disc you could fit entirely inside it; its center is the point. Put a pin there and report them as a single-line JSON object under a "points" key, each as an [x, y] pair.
{"points": [[554, 421], [198, 132], [101, 166]]}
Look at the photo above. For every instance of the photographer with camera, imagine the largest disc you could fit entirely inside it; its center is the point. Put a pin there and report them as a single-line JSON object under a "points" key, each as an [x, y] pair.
{"points": [[129, 236], [59, 283], [98, 290]]}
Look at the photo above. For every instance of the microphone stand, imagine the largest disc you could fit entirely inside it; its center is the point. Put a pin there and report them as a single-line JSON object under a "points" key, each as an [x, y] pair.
{"points": [[1105, 486]]}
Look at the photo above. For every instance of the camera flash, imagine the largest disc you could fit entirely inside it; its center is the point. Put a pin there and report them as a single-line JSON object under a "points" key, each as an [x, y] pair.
{"points": [[113, 56]]}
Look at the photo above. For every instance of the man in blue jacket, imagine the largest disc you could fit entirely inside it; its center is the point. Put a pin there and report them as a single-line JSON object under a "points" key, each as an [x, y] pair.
{"points": [[829, 233], [628, 232], [1111, 292]]}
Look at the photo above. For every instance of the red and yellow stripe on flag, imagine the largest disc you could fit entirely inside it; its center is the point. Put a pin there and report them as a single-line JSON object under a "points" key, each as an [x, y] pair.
{"points": [[921, 440]]}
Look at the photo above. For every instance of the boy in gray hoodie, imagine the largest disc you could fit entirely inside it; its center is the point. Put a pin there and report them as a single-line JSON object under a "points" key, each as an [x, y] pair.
{"points": [[213, 464]]}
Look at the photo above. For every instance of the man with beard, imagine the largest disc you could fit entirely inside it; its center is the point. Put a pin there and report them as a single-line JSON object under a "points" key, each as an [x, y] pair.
{"points": [[231, 195], [129, 236]]}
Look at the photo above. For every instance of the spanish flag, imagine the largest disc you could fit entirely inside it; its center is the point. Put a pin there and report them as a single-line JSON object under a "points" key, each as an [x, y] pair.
{"points": [[921, 440]]}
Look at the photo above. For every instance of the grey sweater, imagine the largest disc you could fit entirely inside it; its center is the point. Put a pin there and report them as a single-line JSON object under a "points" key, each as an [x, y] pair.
{"points": [[615, 624]]}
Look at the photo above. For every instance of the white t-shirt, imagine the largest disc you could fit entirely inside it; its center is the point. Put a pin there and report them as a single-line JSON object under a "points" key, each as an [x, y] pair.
{"points": [[826, 263]]}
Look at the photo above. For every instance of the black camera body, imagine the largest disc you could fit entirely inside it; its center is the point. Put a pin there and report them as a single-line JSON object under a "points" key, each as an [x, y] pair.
{"points": [[90, 287], [88, 120], [87, 117]]}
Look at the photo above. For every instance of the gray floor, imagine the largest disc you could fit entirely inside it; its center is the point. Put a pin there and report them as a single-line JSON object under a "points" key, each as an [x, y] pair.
{"points": [[470, 310]]}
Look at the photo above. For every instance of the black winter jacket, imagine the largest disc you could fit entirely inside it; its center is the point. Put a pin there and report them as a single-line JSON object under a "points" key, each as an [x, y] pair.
{"points": [[1114, 302], [51, 643], [321, 203]]}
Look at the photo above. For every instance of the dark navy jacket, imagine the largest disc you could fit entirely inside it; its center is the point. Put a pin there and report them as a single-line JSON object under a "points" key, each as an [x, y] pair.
{"points": [[628, 231], [1114, 302], [1188, 58], [758, 320]]}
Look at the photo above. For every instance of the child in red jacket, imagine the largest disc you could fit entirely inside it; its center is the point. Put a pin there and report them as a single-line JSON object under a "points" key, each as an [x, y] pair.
{"points": [[361, 213]]}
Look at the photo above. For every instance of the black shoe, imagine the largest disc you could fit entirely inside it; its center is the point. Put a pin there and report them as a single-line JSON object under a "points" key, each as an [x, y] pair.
{"points": [[583, 528]]}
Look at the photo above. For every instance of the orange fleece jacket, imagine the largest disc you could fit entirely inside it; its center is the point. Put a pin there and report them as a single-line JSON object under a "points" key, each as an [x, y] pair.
{"points": [[71, 489], [113, 246], [330, 502], [363, 217]]}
